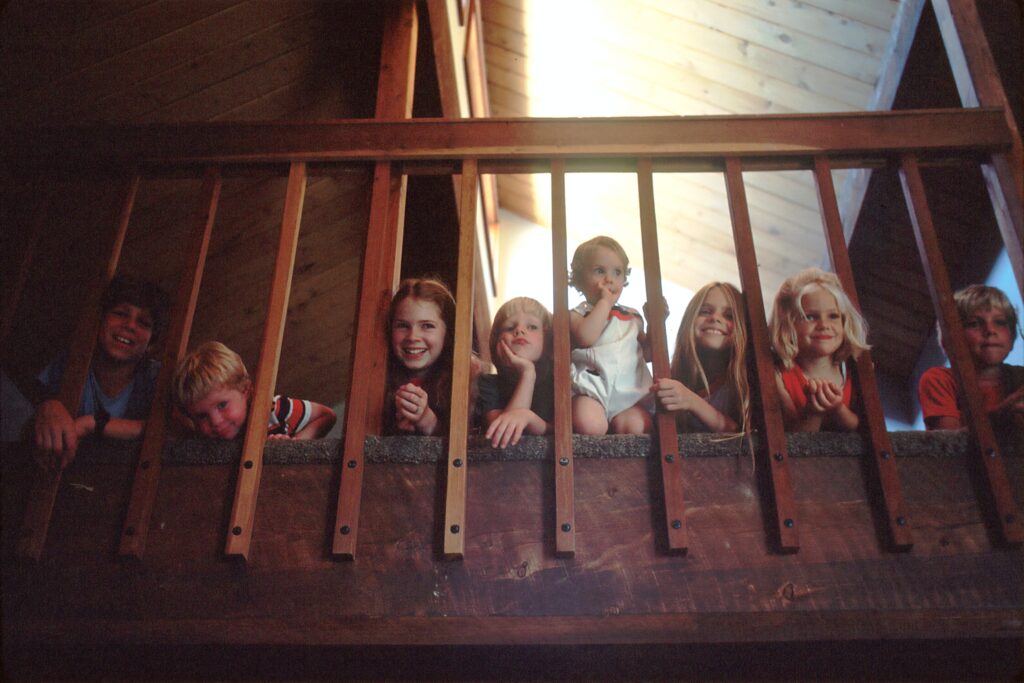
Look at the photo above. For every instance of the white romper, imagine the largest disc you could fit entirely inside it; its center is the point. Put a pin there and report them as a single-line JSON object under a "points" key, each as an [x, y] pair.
{"points": [[612, 371]]}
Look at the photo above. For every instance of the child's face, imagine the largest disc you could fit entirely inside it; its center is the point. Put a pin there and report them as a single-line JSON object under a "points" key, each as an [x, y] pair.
{"points": [[125, 331], [820, 332], [989, 337], [713, 327], [604, 271], [524, 334], [417, 334], [221, 413]]}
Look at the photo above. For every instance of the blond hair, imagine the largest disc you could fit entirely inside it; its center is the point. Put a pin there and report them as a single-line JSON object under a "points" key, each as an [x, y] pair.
{"points": [[581, 257], [210, 367], [974, 298], [521, 304], [788, 309], [686, 363]]}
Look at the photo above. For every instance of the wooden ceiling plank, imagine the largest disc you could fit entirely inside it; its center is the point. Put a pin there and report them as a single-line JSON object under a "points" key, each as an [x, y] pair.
{"points": [[842, 60], [685, 37], [106, 39], [841, 29], [726, 58], [146, 99], [877, 13], [181, 48]]}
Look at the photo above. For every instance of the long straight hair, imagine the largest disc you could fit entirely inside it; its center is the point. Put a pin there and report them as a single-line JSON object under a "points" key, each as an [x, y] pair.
{"points": [[686, 363]]}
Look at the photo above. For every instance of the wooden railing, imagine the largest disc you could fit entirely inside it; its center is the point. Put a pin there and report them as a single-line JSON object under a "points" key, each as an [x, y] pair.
{"points": [[468, 148]]}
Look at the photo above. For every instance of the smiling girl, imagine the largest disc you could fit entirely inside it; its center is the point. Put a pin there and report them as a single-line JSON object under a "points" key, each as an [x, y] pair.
{"points": [[708, 390], [421, 323], [814, 330]]}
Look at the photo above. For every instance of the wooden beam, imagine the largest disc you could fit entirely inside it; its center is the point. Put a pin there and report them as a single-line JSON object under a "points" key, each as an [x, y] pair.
{"points": [[565, 504], [83, 342], [987, 454], [901, 38], [668, 442], [979, 84], [883, 463], [382, 257], [703, 140], [458, 463], [147, 470], [784, 529], [243, 509]]}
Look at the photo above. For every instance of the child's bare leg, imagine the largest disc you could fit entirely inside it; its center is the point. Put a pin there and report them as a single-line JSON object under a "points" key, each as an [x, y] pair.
{"points": [[588, 416], [634, 420]]}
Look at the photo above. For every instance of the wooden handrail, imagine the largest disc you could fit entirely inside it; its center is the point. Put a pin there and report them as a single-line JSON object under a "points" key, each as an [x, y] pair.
{"points": [[728, 144], [772, 139]]}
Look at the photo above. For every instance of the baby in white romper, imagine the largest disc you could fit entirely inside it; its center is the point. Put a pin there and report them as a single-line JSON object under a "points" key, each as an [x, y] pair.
{"points": [[610, 378]]}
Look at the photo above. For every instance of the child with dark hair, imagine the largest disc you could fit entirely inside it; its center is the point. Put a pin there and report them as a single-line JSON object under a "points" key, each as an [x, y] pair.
{"points": [[122, 377]]}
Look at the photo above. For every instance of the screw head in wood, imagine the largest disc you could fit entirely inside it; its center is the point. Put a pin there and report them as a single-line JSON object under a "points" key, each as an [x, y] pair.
{"points": [[455, 528], [563, 461], [344, 531], [352, 464], [789, 523], [885, 455], [248, 464], [567, 527], [901, 520], [778, 456], [677, 524], [457, 462], [670, 458], [237, 531]]}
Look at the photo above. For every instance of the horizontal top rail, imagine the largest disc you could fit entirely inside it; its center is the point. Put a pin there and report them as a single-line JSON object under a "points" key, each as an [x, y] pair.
{"points": [[688, 140]]}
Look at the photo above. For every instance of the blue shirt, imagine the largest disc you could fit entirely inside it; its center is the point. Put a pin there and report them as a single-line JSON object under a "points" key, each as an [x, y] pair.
{"points": [[132, 403]]}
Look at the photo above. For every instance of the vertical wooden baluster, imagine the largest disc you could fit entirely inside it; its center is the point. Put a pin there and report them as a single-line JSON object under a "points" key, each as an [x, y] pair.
{"points": [[668, 439], [565, 504], [455, 492], [986, 449], [243, 510], [382, 257], [774, 437], [883, 456], [12, 290], [83, 343], [980, 85], [147, 469]]}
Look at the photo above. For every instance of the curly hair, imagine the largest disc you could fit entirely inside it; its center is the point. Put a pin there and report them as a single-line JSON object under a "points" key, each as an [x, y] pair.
{"points": [[787, 310]]}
